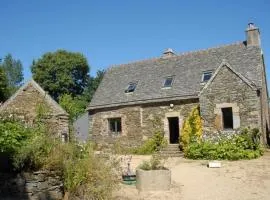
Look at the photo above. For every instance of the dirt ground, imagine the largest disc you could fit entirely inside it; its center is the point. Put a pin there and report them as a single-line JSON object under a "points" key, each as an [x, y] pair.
{"points": [[193, 180]]}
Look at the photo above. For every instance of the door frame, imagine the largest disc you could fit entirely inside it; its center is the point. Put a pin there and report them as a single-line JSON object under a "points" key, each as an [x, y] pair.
{"points": [[166, 124]]}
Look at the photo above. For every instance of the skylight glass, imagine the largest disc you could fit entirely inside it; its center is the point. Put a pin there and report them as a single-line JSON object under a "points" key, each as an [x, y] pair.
{"points": [[206, 76], [131, 87], [168, 82]]}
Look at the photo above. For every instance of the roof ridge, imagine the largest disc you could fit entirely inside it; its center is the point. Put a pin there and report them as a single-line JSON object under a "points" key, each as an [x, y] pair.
{"points": [[210, 48], [176, 55], [40, 89]]}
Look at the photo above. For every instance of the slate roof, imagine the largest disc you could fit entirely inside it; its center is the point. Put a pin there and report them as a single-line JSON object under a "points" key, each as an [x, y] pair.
{"points": [[186, 68]]}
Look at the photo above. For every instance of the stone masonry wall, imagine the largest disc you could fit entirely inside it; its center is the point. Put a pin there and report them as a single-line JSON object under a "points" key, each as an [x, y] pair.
{"points": [[265, 108], [26, 105], [138, 122], [41, 185], [228, 90]]}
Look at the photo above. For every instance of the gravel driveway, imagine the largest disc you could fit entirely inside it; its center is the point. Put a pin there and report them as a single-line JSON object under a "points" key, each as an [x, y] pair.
{"points": [[192, 180]]}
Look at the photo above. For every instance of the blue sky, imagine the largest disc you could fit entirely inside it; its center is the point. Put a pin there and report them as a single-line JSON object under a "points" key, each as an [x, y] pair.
{"points": [[114, 32]]}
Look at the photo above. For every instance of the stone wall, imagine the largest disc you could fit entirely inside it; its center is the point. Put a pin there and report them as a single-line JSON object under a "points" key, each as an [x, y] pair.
{"points": [[138, 122], [41, 185], [228, 90], [265, 107], [29, 102]]}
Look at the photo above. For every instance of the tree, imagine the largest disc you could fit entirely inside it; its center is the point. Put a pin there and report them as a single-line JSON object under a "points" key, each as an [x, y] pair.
{"points": [[61, 72], [3, 86], [14, 73], [92, 85], [74, 106]]}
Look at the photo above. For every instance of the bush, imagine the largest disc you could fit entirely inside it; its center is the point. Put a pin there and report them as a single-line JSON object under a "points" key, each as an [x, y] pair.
{"points": [[15, 142], [192, 129], [153, 164], [13, 135], [246, 145], [36, 149], [85, 176], [151, 145]]}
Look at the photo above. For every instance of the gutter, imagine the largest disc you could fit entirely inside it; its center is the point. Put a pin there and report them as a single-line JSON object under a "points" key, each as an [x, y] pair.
{"points": [[145, 101]]}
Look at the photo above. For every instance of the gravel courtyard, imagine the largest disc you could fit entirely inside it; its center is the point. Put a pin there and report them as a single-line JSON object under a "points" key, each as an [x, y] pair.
{"points": [[192, 180]]}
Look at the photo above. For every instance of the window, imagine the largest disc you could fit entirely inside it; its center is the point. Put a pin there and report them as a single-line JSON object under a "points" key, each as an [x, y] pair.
{"points": [[115, 125], [227, 116], [131, 87], [168, 82], [206, 76]]}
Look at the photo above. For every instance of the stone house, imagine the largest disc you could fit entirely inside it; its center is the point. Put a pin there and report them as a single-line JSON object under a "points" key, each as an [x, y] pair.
{"points": [[228, 83], [30, 101]]}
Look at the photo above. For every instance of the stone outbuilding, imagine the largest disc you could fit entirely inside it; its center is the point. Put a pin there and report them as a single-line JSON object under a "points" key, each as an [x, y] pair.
{"points": [[228, 83], [31, 101]]}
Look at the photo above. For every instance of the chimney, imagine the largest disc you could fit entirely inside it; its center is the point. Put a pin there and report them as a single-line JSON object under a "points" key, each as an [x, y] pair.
{"points": [[253, 35], [168, 53]]}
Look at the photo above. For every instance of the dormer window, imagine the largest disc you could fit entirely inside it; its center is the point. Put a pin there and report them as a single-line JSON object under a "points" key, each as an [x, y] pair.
{"points": [[131, 87], [206, 76], [168, 82]]}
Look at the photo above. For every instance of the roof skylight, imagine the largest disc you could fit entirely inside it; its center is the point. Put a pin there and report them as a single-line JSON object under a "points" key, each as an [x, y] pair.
{"points": [[168, 82], [131, 87], [206, 76]]}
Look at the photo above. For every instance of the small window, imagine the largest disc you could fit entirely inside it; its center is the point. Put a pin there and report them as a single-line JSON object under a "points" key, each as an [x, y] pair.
{"points": [[168, 82], [115, 125], [206, 76], [227, 116], [131, 87]]}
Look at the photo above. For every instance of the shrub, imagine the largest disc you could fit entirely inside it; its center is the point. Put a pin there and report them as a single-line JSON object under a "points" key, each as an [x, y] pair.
{"points": [[153, 164], [192, 129], [245, 145], [15, 139], [87, 176], [151, 145], [33, 154], [13, 135]]}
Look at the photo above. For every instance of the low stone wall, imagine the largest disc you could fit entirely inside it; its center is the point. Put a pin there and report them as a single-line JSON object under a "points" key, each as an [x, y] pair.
{"points": [[41, 185], [153, 180]]}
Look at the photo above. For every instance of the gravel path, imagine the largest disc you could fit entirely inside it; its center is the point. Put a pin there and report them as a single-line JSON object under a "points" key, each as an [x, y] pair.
{"points": [[192, 180]]}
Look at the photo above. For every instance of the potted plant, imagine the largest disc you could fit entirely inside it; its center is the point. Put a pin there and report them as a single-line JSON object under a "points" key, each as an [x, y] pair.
{"points": [[152, 175]]}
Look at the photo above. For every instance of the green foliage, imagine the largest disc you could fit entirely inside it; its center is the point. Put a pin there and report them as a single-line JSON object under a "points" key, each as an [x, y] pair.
{"points": [[153, 164], [4, 91], [74, 106], [192, 129], [14, 73], [61, 72], [151, 145], [42, 111], [33, 148], [36, 149], [245, 145], [13, 135], [26, 146], [92, 85], [89, 176]]}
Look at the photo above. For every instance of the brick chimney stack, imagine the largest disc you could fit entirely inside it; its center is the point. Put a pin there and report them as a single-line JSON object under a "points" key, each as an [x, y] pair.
{"points": [[253, 35]]}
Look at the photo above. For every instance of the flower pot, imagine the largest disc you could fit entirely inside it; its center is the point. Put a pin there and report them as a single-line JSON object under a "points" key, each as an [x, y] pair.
{"points": [[153, 180]]}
